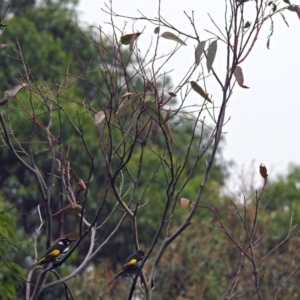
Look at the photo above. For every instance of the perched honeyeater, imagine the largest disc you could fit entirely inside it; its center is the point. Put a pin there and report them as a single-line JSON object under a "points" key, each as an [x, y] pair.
{"points": [[1, 28], [132, 264], [57, 251]]}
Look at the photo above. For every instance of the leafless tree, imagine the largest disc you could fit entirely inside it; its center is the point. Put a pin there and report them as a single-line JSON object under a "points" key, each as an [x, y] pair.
{"points": [[129, 120]]}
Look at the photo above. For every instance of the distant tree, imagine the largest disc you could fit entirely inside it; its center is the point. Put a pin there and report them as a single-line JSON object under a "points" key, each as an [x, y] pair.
{"points": [[282, 196], [9, 251]]}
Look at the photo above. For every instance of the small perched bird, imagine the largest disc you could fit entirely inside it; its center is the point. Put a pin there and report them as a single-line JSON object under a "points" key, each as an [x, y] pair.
{"points": [[56, 252], [132, 264], [1, 28]]}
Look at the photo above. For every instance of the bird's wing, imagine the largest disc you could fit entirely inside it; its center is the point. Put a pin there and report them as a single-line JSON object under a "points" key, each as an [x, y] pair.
{"points": [[51, 253], [130, 263]]}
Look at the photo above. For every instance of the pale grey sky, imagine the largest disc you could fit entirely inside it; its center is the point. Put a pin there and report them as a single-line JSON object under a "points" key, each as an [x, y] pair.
{"points": [[264, 120]]}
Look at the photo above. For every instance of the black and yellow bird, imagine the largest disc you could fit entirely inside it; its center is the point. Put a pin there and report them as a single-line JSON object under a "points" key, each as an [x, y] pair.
{"points": [[56, 252], [132, 265]]}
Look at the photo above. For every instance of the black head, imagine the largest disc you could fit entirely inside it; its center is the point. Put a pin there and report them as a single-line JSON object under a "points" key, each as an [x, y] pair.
{"points": [[2, 26], [65, 241], [140, 253]]}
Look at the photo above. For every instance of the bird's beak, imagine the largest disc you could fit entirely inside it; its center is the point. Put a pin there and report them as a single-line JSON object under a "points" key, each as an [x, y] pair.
{"points": [[4, 25]]}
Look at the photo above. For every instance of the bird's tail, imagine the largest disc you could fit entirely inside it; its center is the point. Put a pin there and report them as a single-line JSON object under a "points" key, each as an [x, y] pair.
{"points": [[116, 276]]}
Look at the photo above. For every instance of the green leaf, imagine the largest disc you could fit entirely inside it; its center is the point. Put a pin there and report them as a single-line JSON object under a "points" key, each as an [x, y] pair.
{"points": [[198, 89], [126, 106], [198, 52], [287, 1], [247, 25], [99, 117], [156, 30], [297, 9], [211, 54], [239, 76], [173, 37], [274, 6], [127, 38]]}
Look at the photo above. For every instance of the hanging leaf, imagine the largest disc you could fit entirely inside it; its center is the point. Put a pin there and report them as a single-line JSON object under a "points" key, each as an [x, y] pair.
{"points": [[287, 1], [173, 37], [99, 117], [199, 51], [274, 6], [238, 74], [155, 114], [184, 202], [129, 38], [156, 30], [168, 114], [126, 106], [132, 40], [211, 54], [297, 9], [268, 43], [154, 128], [82, 186], [197, 88], [291, 8], [247, 25], [263, 171]]}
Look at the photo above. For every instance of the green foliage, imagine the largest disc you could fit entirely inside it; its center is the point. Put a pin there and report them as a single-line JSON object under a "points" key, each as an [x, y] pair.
{"points": [[282, 196], [10, 270], [203, 262], [50, 43]]}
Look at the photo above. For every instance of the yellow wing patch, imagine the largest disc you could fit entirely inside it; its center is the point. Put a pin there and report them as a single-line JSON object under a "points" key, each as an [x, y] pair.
{"points": [[132, 262], [54, 253]]}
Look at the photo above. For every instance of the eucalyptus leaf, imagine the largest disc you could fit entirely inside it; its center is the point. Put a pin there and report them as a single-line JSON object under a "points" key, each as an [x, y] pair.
{"points": [[198, 89], [247, 25], [126, 106], [211, 54], [173, 37], [199, 51], [156, 30], [127, 38]]}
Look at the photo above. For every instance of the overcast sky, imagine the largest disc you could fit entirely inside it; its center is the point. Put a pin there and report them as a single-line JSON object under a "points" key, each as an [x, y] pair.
{"points": [[264, 120]]}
